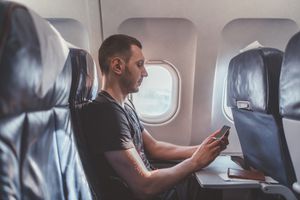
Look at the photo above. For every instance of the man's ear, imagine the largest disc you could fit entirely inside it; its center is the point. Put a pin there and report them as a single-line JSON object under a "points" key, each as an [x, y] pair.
{"points": [[117, 65]]}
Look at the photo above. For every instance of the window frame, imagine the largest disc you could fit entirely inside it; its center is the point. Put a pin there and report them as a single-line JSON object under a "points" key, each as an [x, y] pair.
{"points": [[173, 110], [227, 112]]}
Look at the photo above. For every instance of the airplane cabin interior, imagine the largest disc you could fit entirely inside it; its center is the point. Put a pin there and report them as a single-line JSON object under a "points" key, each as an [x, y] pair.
{"points": [[210, 63]]}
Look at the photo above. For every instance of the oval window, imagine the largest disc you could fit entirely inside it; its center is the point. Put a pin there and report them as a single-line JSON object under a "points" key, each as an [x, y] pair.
{"points": [[158, 98]]}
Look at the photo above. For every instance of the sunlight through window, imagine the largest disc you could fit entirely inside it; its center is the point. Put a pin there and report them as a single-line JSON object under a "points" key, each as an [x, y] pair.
{"points": [[157, 99]]}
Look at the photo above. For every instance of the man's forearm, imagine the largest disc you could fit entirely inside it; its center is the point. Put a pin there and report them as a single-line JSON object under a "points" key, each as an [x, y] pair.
{"points": [[167, 151], [144, 183]]}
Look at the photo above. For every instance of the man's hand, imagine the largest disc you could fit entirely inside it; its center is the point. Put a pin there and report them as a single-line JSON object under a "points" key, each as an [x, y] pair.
{"points": [[208, 150], [224, 139]]}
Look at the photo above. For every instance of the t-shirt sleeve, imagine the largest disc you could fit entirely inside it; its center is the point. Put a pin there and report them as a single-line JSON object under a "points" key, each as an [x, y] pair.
{"points": [[109, 129]]}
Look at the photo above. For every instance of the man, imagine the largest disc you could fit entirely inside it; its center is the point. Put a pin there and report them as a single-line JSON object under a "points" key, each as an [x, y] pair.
{"points": [[118, 142]]}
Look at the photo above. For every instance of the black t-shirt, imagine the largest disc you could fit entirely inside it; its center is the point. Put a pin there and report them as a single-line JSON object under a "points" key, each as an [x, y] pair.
{"points": [[110, 127]]}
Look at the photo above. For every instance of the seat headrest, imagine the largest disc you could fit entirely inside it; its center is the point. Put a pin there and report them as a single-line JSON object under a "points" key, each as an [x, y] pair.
{"points": [[32, 57], [84, 86], [252, 80], [289, 88]]}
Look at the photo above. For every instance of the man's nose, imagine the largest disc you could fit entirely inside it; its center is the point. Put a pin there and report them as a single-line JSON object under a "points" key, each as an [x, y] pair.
{"points": [[144, 72]]}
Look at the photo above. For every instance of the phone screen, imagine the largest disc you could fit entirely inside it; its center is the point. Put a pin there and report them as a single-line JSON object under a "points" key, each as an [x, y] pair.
{"points": [[222, 132]]}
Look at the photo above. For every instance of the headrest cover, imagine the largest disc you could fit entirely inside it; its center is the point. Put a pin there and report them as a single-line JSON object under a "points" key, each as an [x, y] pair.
{"points": [[32, 56], [289, 88], [252, 80]]}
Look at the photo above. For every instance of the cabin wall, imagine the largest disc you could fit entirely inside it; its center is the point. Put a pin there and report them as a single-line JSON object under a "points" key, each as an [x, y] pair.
{"points": [[209, 17], [162, 38]]}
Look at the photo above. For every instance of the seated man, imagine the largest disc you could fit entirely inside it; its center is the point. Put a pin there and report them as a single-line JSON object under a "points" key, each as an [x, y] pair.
{"points": [[119, 144]]}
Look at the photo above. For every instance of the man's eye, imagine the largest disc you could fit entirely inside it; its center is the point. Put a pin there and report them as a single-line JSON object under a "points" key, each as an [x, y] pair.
{"points": [[140, 64]]}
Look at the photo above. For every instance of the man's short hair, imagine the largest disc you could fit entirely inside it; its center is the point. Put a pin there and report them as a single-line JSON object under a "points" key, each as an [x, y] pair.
{"points": [[116, 45]]}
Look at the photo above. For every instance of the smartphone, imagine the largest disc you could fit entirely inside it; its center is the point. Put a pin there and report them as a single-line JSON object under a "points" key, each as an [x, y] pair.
{"points": [[222, 132]]}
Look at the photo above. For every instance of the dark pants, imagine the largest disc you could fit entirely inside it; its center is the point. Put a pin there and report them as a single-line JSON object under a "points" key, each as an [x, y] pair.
{"points": [[189, 189]]}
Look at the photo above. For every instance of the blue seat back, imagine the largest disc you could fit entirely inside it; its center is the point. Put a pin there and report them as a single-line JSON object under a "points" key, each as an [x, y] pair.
{"points": [[38, 152], [253, 82], [289, 106]]}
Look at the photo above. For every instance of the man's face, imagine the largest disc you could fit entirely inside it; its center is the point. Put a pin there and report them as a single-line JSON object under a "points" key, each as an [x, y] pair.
{"points": [[134, 71]]}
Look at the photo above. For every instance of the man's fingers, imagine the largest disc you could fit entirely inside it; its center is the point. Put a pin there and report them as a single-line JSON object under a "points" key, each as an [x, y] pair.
{"points": [[218, 144], [215, 133], [215, 142]]}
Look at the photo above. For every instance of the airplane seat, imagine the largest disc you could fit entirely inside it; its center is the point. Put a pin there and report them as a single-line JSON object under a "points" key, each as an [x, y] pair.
{"points": [[289, 102], [84, 89], [252, 94], [38, 152], [84, 86]]}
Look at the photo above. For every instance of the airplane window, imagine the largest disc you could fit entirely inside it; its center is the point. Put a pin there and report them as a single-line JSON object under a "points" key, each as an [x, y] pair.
{"points": [[226, 110], [157, 100]]}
